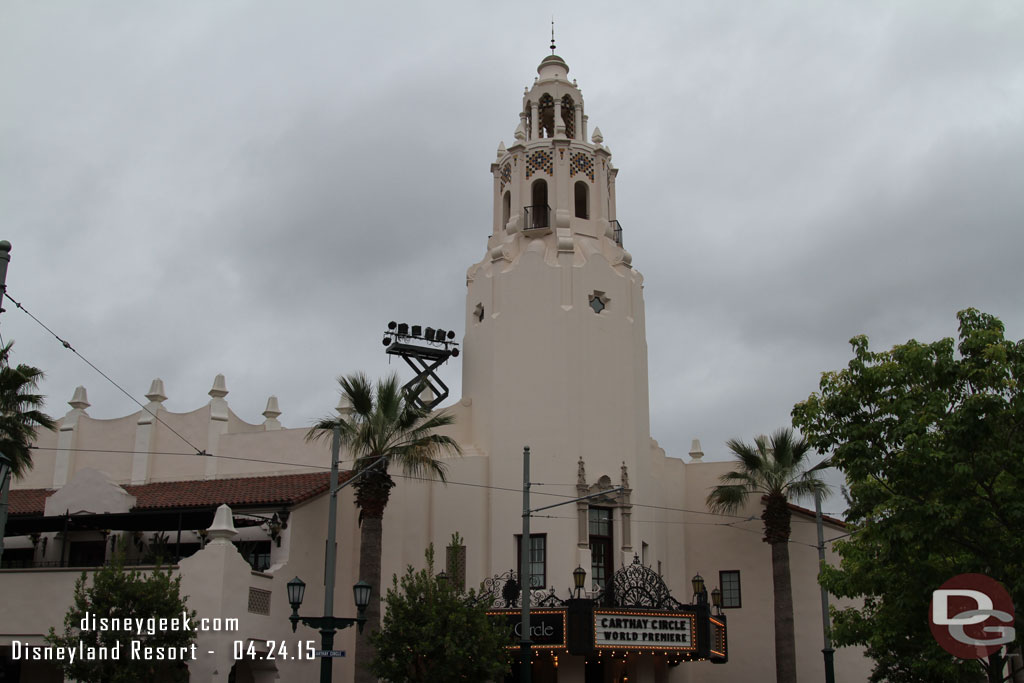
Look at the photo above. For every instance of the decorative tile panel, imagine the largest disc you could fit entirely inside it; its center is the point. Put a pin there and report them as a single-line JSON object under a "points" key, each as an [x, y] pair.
{"points": [[582, 164], [539, 161], [506, 175]]}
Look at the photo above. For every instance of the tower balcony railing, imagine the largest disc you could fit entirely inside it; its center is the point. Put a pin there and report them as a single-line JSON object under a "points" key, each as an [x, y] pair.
{"points": [[617, 232], [537, 217]]}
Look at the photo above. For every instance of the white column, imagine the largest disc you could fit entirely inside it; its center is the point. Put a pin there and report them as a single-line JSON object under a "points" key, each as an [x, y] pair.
{"points": [[145, 432], [67, 437], [218, 422]]}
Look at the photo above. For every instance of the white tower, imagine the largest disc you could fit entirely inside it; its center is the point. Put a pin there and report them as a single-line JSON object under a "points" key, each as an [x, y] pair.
{"points": [[555, 348]]}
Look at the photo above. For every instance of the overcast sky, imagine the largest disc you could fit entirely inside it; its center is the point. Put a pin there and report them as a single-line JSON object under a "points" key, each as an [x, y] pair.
{"points": [[256, 189]]}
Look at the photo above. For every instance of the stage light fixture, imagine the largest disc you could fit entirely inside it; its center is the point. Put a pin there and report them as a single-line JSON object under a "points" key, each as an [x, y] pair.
{"points": [[429, 334], [417, 330], [392, 325], [403, 328]]}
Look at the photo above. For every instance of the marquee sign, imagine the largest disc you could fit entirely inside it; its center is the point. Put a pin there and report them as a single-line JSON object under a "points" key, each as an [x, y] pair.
{"points": [[547, 627], [719, 640], [644, 630]]}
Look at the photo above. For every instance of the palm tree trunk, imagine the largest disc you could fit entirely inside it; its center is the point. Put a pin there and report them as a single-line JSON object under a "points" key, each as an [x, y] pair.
{"points": [[370, 547], [785, 638]]}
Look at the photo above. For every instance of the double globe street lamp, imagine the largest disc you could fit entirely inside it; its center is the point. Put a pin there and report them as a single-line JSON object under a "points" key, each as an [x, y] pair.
{"points": [[327, 625]]}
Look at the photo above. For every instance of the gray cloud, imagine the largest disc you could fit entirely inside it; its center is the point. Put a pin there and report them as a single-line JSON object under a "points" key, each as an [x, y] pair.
{"points": [[258, 190]]}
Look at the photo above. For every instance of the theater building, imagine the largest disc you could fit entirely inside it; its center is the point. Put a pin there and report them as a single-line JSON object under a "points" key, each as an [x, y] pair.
{"points": [[555, 358]]}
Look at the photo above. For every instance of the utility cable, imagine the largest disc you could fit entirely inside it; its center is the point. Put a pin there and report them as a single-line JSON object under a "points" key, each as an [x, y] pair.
{"points": [[68, 346]]}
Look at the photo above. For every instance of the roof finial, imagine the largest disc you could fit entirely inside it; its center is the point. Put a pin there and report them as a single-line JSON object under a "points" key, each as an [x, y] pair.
{"points": [[552, 34]]}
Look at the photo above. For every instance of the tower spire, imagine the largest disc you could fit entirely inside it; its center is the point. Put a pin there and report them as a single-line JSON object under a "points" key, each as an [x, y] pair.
{"points": [[552, 34]]}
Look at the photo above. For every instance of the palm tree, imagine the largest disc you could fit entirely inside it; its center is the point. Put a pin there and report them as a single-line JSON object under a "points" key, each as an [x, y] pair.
{"points": [[385, 425], [20, 417], [20, 414], [775, 468]]}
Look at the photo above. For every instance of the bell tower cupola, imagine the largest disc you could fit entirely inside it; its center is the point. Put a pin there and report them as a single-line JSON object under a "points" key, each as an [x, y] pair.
{"points": [[552, 176]]}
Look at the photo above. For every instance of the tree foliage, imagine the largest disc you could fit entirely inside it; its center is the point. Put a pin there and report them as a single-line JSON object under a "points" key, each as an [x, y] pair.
{"points": [[433, 634], [776, 469], [20, 411], [929, 437], [117, 593]]}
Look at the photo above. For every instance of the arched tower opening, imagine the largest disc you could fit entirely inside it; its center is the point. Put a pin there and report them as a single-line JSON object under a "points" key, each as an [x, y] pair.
{"points": [[569, 116], [538, 217], [581, 193], [506, 209], [546, 116]]}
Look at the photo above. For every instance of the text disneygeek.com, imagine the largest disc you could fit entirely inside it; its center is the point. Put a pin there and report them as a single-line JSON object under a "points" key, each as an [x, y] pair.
{"points": [[142, 648]]}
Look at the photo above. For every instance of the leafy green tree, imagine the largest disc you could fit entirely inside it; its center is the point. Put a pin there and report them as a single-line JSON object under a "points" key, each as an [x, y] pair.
{"points": [[385, 427], [20, 411], [776, 469], [929, 437], [434, 634], [122, 594]]}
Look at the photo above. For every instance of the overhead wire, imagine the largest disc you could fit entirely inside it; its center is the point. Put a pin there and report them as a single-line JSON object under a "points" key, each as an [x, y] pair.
{"points": [[68, 346]]}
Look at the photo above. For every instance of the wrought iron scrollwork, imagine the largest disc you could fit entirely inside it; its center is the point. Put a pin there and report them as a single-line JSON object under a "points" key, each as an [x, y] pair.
{"points": [[502, 591], [639, 586]]}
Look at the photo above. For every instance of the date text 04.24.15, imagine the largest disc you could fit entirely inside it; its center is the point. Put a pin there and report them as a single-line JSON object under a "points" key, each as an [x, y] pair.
{"points": [[275, 649]]}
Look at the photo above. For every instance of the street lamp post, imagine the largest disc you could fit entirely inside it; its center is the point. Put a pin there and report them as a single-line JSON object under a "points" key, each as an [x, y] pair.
{"points": [[827, 652], [5, 462], [525, 644], [327, 625]]}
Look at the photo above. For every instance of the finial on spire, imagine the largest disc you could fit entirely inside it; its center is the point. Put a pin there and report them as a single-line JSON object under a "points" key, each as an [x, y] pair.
{"points": [[552, 34]]}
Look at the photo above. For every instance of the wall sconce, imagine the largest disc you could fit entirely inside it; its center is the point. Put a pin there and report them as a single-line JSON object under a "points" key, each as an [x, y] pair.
{"points": [[274, 527], [716, 600], [700, 593]]}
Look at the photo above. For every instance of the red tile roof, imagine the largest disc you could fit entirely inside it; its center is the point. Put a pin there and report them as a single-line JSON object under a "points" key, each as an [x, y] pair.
{"points": [[286, 489], [810, 513], [27, 501]]}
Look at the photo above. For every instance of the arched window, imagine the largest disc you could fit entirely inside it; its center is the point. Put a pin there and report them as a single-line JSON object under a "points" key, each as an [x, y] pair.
{"points": [[569, 116], [582, 194], [506, 208], [546, 116], [538, 213]]}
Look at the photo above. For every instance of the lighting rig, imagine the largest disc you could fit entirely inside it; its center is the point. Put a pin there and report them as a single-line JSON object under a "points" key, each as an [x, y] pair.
{"points": [[424, 350]]}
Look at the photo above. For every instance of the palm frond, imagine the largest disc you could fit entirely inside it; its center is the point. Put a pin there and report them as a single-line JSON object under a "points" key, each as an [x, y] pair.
{"points": [[727, 498], [772, 466], [20, 411], [386, 423]]}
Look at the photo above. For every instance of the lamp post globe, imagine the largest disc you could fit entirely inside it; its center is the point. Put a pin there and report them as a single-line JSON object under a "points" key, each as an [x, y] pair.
{"points": [[296, 591], [579, 578], [361, 595]]}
